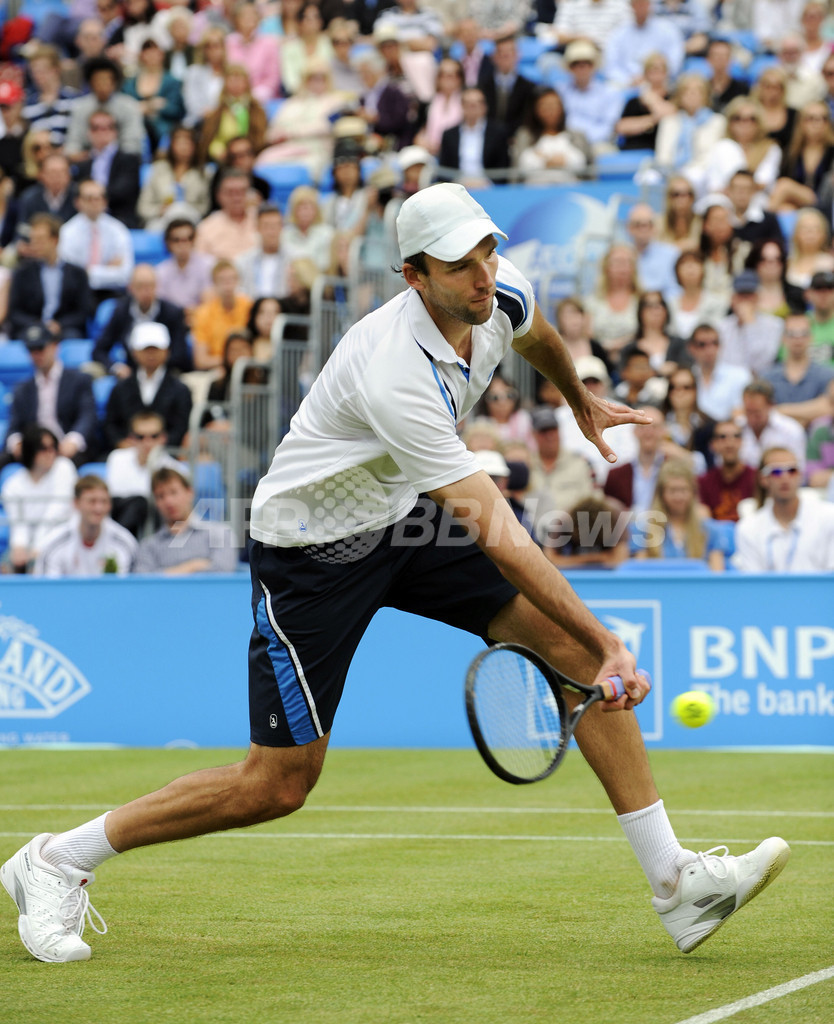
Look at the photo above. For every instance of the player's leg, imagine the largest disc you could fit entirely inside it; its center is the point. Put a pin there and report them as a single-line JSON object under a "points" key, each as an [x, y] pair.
{"points": [[694, 893], [271, 782]]}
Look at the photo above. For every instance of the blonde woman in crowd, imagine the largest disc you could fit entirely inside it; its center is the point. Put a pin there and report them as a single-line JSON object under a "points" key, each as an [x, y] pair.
{"points": [[238, 113], [680, 225], [694, 304], [305, 235], [770, 91], [809, 249], [807, 160], [746, 146], [301, 130], [682, 524], [686, 138], [613, 307]]}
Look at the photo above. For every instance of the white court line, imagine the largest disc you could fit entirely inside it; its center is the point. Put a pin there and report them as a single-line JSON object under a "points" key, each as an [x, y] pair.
{"points": [[445, 837], [402, 809], [731, 1009]]}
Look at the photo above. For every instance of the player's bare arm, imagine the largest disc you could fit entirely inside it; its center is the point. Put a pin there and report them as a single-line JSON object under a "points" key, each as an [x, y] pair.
{"points": [[544, 349], [479, 506]]}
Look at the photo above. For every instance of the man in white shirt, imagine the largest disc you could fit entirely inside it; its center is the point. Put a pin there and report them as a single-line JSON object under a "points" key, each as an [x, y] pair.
{"points": [[91, 543], [264, 269], [98, 242], [765, 427], [793, 531], [630, 43], [339, 530], [720, 385], [590, 19]]}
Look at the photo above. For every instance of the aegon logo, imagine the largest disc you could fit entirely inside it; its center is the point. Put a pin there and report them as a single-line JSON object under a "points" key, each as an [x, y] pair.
{"points": [[36, 681]]}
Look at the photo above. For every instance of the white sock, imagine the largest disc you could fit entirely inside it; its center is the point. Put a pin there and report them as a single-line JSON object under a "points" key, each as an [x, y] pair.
{"points": [[84, 847], [656, 847]]}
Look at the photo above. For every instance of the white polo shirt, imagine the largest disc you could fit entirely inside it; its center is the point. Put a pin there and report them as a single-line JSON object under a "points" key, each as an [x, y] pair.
{"points": [[379, 424], [64, 554], [807, 545]]}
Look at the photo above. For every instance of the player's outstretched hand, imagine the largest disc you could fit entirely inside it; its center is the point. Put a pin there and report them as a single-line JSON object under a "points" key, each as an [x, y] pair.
{"points": [[598, 414]]}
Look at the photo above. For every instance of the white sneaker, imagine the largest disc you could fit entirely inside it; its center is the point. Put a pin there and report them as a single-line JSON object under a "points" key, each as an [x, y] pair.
{"points": [[54, 904], [712, 887]]}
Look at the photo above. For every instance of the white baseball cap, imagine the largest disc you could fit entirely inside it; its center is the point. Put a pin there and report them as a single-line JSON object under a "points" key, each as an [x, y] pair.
{"points": [[443, 221], [149, 334], [493, 463]]}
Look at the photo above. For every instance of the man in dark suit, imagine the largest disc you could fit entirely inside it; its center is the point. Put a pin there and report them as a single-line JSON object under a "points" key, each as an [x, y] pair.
{"points": [[478, 145], [633, 483], [111, 167], [153, 386], [45, 290], [54, 193], [139, 305], [508, 94], [55, 397]]}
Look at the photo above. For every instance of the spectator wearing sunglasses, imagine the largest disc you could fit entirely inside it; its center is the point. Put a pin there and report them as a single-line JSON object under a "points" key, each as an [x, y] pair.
{"points": [[501, 404], [730, 481], [129, 469], [793, 530]]}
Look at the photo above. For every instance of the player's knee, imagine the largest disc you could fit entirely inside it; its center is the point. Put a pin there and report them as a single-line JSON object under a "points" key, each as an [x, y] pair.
{"points": [[265, 798]]}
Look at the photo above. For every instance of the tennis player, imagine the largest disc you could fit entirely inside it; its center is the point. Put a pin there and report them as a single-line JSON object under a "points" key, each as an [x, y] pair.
{"points": [[373, 500]]}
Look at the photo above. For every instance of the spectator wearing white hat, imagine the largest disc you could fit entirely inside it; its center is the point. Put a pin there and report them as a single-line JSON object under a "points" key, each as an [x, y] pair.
{"points": [[153, 386], [591, 106]]}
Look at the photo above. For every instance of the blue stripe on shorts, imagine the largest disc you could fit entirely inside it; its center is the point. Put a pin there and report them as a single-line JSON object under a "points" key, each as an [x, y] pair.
{"points": [[292, 697]]}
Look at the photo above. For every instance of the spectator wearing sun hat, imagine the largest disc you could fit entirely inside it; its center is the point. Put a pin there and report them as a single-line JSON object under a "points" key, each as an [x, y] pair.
{"points": [[592, 107]]}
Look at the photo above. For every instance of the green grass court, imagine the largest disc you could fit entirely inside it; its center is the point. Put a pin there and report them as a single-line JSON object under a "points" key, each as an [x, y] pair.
{"points": [[416, 887]]}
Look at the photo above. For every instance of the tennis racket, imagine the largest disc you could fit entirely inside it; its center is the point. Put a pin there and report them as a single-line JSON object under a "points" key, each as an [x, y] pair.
{"points": [[517, 712]]}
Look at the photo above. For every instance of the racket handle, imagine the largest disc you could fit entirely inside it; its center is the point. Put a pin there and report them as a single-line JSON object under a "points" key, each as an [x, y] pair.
{"points": [[617, 683]]}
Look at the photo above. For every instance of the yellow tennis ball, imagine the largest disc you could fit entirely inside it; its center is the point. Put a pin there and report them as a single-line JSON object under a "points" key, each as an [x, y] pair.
{"points": [[693, 708]]}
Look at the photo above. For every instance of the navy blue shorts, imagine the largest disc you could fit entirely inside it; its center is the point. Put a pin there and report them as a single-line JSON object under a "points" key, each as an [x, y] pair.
{"points": [[313, 604]]}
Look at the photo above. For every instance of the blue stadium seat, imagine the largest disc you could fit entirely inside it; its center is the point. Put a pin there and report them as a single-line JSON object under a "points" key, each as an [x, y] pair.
{"points": [[102, 314], [94, 469], [102, 386], [15, 364], [758, 65], [648, 566], [38, 10], [148, 246], [210, 491], [622, 164], [74, 352], [787, 222], [8, 471], [272, 107], [283, 178]]}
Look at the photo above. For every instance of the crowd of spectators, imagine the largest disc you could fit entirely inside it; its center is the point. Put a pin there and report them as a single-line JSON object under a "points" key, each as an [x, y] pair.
{"points": [[714, 307]]}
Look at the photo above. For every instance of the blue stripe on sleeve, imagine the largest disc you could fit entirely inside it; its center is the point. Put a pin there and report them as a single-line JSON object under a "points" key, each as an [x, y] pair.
{"points": [[513, 302], [292, 697]]}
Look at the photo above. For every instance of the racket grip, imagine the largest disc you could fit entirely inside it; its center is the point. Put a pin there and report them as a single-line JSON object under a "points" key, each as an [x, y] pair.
{"points": [[617, 683]]}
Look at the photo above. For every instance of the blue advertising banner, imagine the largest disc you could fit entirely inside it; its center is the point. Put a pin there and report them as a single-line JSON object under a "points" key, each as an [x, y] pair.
{"points": [[162, 662], [556, 231]]}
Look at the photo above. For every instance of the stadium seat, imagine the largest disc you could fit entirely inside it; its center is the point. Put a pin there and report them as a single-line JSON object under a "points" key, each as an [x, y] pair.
{"points": [[272, 107], [648, 566], [8, 471], [38, 10], [102, 386], [623, 164], [15, 364], [102, 314], [787, 222], [210, 491], [74, 352], [283, 178], [94, 469], [758, 65], [148, 246]]}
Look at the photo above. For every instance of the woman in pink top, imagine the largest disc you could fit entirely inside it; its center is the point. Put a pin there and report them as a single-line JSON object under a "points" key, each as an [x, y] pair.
{"points": [[444, 110], [258, 53]]}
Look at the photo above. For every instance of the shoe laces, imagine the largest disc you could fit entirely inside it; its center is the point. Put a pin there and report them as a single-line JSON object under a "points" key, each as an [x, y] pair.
{"points": [[714, 863], [76, 911]]}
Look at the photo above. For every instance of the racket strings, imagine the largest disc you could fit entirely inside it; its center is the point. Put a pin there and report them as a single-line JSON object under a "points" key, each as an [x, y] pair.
{"points": [[517, 713]]}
